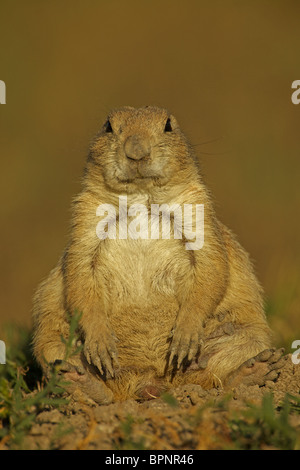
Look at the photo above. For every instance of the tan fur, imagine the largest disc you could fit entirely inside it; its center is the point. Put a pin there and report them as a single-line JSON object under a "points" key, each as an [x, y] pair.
{"points": [[149, 303]]}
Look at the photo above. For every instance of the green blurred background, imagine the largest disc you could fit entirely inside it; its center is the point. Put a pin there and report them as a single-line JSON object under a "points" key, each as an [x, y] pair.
{"points": [[224, 68]]}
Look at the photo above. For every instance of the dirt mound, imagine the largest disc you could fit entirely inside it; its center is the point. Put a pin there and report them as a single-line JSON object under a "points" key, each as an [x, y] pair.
{"points": [[187, 417]]}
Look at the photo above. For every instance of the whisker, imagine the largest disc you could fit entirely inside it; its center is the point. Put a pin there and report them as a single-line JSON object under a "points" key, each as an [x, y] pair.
{"points": [[215, 153], [208, 141]]}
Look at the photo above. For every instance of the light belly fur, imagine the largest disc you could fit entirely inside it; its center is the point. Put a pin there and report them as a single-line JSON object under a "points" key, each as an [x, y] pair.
{"points": [[142, 296]]}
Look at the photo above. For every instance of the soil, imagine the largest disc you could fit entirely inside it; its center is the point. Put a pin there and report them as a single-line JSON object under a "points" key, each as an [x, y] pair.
{"points": [[189, 417]]}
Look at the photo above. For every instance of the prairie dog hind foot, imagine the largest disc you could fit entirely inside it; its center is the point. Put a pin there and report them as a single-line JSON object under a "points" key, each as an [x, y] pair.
{"points": [[263, 368], [82, 385]]}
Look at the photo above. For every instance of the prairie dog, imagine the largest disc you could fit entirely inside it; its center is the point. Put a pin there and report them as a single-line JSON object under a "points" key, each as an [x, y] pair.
{"points": [[154, 313]]}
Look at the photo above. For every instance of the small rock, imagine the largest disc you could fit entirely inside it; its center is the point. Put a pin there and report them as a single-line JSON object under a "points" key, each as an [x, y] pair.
{"points": [[52, 416]]}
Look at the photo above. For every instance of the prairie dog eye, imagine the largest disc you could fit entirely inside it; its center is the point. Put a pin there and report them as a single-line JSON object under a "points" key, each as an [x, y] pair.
{"points": [[107, 126], [168, 127]]}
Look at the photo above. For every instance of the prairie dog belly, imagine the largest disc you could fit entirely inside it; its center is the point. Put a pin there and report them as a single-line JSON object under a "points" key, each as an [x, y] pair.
{"points": [[142, 279], [140, 270]]}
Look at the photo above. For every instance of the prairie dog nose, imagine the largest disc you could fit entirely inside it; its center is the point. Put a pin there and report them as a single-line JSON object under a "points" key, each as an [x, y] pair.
{"points": [[137, 147]]}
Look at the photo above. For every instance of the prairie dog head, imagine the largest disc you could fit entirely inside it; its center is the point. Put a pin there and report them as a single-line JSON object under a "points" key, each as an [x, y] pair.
{"points": [[138, 149]]}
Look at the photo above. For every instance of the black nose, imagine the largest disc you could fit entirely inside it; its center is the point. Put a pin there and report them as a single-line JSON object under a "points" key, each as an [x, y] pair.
{"points": [[137, 147]]}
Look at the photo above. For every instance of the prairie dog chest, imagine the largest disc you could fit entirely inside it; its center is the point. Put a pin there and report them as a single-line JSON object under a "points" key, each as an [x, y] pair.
{"points": [[140, 256]]}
